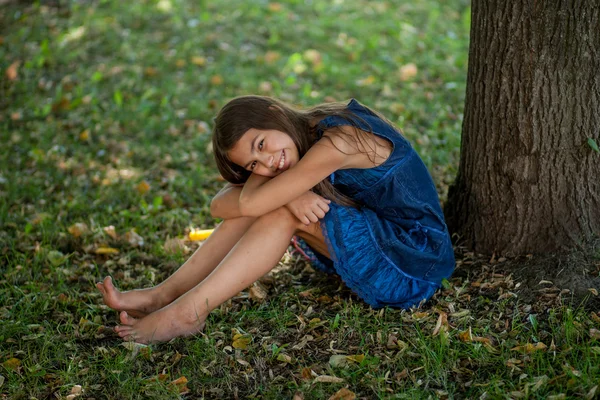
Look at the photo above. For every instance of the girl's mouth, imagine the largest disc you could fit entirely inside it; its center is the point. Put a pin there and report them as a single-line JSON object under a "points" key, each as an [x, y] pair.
{"points": [[281, 161]]}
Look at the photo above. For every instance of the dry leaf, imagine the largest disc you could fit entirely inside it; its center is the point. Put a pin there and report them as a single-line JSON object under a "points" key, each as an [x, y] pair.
{"points": [[595, 333], [175, 246], [197, 60], [343, 394], [12, 72], [407, 72], [338, 361], [307, 373], [12, 363], [284, 358], [530, 348], [356, 358], [180, 383], [78, 229], [420, 314], [442, 324], [216, 80], [106, 250], [85, 135], [133, 239], [257, 292], [241, 341], [143, 187], [76, 390], [328, 379], [110, 231]]}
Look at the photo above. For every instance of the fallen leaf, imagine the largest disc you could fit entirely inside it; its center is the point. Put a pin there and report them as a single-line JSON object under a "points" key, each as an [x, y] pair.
{"points": [[328, 379], [241, 341], [12, 363], [12, 72], [110, 231], [133, 239], [85, 135], [343, 394], [197, 60], [78, 229], [442, 324], [530, 347], [284, 358], [56, 258], [143, 187], [595, 333], [76, 390], [216, 80], [180, 383], [257, 292], [106, 250], [307, 373], [356, 358], [338, 361], [407, 72], [175, 246]]}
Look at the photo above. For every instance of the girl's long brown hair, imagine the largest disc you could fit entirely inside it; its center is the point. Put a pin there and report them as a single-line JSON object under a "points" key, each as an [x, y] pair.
{"points": [[265, 113]]}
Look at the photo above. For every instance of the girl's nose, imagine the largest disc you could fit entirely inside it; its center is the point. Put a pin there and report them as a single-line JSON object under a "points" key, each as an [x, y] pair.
{"points": [[268, 161]]}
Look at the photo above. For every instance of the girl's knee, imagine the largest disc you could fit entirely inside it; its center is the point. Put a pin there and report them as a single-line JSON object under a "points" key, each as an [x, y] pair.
{"points": [[282, 216]]}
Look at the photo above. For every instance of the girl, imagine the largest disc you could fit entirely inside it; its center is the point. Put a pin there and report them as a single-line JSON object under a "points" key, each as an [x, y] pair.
{"points": [[338, 176]]}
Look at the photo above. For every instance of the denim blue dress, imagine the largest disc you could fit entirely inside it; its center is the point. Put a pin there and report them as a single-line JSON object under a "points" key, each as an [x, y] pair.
{"points": [[395, 249]]}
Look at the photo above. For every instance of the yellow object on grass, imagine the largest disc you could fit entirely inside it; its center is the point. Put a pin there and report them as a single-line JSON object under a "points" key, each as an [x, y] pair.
{"points": [[200, 234]]}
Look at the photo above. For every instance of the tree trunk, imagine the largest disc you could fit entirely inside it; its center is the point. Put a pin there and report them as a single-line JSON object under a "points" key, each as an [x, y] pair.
{"points": [[528, 179]]}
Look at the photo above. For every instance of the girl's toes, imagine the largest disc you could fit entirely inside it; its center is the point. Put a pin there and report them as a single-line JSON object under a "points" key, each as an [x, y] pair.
{"points": [[126, 319], [100, 287]]}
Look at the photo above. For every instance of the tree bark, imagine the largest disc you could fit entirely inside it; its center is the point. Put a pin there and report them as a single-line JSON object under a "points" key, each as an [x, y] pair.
{"points": [[528, 180]]}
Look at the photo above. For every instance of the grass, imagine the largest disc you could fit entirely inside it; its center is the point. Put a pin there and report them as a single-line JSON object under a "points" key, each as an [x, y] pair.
{"points": [[106, 122]]}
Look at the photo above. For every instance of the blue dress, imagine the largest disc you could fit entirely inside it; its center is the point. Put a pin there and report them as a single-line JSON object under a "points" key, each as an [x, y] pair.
{"points": [[395, 249]]}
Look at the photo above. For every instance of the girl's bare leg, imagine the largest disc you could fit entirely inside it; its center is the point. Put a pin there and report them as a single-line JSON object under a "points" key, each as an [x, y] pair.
{"points": [[139, 303], [257, 252]]}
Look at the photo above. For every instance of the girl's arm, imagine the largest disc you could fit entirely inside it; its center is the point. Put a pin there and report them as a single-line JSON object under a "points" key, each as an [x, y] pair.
{"points": [[260, 196], [225, 204]]}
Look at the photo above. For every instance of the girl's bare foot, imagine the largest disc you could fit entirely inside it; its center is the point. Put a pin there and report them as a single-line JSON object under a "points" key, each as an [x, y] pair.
{"points": [[137, 303], [160, 326]]}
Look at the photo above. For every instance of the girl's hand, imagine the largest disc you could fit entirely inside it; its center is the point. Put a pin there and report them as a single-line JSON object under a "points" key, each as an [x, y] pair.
{"points": [[309, 207]]}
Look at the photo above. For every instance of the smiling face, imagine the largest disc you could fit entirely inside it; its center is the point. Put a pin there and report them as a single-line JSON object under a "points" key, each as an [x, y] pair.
{"points": [[265, 152]]}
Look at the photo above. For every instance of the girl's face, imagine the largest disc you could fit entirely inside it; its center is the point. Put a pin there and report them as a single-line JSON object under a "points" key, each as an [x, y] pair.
{"points": [[266, 153]]}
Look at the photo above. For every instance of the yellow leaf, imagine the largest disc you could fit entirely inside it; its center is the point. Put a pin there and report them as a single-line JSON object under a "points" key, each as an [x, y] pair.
{"points": [[143, 187], [284, 358], [180, 63], [106, 250], [465, 336], [12, 72], [343, 394], [241, 341], [199, 61], [275, 7], [272, 56], [530, 348], [356, 358], [420, 315], [12, 363], [85, 135], [78, 229], [216, 80]]}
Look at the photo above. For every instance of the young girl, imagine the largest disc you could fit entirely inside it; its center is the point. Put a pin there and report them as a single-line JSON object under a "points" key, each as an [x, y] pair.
{"points": [[338, 176]]}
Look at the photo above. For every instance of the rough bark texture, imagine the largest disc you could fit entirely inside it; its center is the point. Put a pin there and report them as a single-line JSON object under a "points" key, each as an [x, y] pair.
{"points": [[528, 181]]}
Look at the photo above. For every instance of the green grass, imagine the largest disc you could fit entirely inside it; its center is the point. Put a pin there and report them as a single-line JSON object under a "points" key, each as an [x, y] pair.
{"points": [[108, 95]]}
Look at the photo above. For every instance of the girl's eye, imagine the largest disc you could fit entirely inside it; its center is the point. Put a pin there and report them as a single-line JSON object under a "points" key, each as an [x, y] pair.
{"points": [[252, 165], [260, 144]]}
